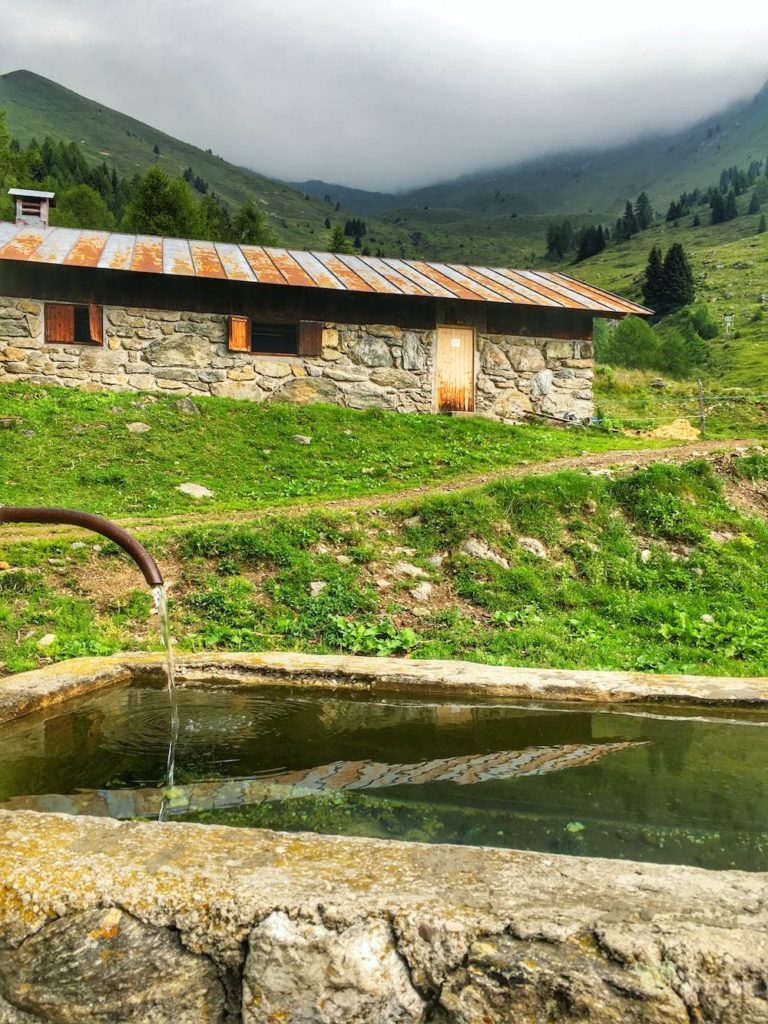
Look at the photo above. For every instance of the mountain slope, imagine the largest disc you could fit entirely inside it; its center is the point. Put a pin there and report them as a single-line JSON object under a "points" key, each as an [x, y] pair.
{"points": [[593, 181], [37, 107]]}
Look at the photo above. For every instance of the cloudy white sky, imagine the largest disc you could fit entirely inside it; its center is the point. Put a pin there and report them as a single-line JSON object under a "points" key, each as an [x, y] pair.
{"points": [[398, 93]]}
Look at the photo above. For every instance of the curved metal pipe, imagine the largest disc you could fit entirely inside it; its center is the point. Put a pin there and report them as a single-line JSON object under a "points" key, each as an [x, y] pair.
{"points": [[88, 521]]}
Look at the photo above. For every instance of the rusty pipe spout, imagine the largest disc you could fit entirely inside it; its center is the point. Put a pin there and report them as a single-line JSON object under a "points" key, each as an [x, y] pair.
{"points": [[88, 521]]}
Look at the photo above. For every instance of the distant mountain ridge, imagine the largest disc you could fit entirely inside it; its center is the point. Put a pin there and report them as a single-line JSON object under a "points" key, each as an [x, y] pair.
{"points": [[596, 181]]}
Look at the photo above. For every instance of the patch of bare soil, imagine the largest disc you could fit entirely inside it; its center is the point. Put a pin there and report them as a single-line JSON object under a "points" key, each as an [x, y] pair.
{"points": [[678, 430]]}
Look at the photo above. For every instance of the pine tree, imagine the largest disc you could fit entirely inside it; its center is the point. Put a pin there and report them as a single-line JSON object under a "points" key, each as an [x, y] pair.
{"points": [[673, 212], [718, 209], [731, 210], [629, 220], [678, 288], [762, 226], [754, 203], [338, 241], [696, 222], [643, 212], [653, 279]]}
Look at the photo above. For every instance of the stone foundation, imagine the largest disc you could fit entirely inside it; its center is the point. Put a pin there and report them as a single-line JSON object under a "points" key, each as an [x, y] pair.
{"points": [[360, 367]]}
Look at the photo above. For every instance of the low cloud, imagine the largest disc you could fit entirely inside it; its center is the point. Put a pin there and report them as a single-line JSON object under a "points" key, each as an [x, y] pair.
{"points": [[396, 95]]}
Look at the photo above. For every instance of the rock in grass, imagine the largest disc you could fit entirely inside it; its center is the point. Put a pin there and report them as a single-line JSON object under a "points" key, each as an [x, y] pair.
{"points": [[422, 592], [408, 569], [316, 587], [476, 548], [301, 439], [138, 428], [187, 407], [195, 490], [47, 640], [532, 546]]}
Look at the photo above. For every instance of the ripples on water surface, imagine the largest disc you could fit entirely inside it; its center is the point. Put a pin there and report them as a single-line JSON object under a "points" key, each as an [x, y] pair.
{"points": [[676, 785]]}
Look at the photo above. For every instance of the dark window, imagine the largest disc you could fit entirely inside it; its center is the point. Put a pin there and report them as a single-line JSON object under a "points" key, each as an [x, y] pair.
{"points": [[274, 338], [82, 325]]}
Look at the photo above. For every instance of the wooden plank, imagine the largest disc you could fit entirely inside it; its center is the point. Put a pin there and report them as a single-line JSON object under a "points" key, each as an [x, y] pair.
{"points": [[96, 323], [310, 338], [455, 365], [59, 323], [239, 334]]}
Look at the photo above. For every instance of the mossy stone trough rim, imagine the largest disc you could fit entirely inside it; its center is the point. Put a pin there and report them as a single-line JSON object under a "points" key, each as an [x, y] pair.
{"points": [[32, 691]]}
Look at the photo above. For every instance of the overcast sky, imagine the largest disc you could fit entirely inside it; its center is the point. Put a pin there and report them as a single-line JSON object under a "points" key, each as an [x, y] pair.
{"points": [[387, 94]]}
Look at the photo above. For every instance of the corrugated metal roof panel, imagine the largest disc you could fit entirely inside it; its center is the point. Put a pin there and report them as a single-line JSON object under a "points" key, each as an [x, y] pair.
{"points": [[337, 271]]}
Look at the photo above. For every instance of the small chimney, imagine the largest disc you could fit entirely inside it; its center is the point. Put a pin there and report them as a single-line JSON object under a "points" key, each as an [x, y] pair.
{"points": [[32, 207]]}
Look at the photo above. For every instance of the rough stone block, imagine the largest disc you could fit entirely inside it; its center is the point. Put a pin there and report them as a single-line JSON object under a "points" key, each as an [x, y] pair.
{"points": [[104, 965], [304, 972], [308, 389]]}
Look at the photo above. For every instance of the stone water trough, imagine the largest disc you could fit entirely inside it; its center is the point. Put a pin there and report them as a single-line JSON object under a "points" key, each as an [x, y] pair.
{"points": [[130, 921]]}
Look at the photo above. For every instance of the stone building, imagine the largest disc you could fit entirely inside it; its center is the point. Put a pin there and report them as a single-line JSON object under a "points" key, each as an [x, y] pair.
{"points": [[100, 311]]}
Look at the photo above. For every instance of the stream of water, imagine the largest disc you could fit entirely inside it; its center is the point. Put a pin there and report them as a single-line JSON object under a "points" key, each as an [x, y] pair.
{"points": [[160, 597]]}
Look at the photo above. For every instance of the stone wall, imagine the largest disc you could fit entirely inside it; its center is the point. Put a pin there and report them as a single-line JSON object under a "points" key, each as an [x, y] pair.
{"points": [[360, 366], [130, 923]]}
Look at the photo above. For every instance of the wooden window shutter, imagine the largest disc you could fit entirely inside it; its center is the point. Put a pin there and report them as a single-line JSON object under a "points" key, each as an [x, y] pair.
{"points": [[310, 338], [239, 334], [96, 321], [59, 322]]}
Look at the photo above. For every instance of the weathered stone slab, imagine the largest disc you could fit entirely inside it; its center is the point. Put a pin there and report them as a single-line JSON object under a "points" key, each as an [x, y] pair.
{"points": [[105, 965]]}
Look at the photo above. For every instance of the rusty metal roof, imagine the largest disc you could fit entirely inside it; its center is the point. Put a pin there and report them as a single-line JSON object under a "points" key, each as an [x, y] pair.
{"points": [[100, 250]]}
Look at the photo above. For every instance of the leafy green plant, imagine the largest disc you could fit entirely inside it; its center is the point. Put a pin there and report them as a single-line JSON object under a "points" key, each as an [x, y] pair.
{"points": [[378, 636]]}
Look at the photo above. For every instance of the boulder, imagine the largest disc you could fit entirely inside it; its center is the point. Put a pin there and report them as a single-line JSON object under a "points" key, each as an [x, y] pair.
{"points": [[369, 350], [414, 354], [525, 358], [180, 351], [300, 971], [305, 390], [389, 377], [476, 548], [105, 965], [532, 546], [195, 490]]}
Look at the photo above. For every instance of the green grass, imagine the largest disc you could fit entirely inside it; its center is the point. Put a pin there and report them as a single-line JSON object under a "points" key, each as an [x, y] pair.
{"points": [[84, 456], [649, 571]]}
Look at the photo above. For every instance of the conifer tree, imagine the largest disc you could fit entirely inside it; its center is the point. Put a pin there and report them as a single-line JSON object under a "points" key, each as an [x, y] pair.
{"points": [[643, 212], [629, 220], [762, 226], [653, 279], [696, 222], [678, 288], [731, 210], [338, 241], [718, 208], [251, 227], [754, 203]]}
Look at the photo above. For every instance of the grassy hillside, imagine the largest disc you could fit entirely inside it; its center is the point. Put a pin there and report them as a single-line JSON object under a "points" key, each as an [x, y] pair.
{"points": [[37, 107], [105, 467], [654, 570], [730, 263]]}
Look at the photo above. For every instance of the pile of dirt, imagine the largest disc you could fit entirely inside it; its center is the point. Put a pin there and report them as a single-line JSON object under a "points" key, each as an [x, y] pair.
{"points": [[678, 430]]}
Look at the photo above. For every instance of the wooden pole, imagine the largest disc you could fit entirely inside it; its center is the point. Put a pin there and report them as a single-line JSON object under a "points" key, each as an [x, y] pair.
{"points": [[702, 414]]}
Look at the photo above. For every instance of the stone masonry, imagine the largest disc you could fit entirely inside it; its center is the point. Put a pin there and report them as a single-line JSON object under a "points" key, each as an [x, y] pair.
{"points": [[360, 367]]}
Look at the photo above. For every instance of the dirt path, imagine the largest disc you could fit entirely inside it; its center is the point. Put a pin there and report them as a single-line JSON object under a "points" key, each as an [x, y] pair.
{"points": [[710, 450]]}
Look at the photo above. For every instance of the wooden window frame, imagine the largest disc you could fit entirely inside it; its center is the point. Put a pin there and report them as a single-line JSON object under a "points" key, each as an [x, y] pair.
{"points": [[59, 323], [309, 337]]}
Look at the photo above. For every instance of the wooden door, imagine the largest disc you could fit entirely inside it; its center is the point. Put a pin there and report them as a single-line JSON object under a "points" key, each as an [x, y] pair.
{"points": [[455, 369]]}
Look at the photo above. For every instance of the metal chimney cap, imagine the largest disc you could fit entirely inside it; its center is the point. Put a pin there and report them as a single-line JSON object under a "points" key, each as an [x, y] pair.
{"points": [[29, 193]]}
